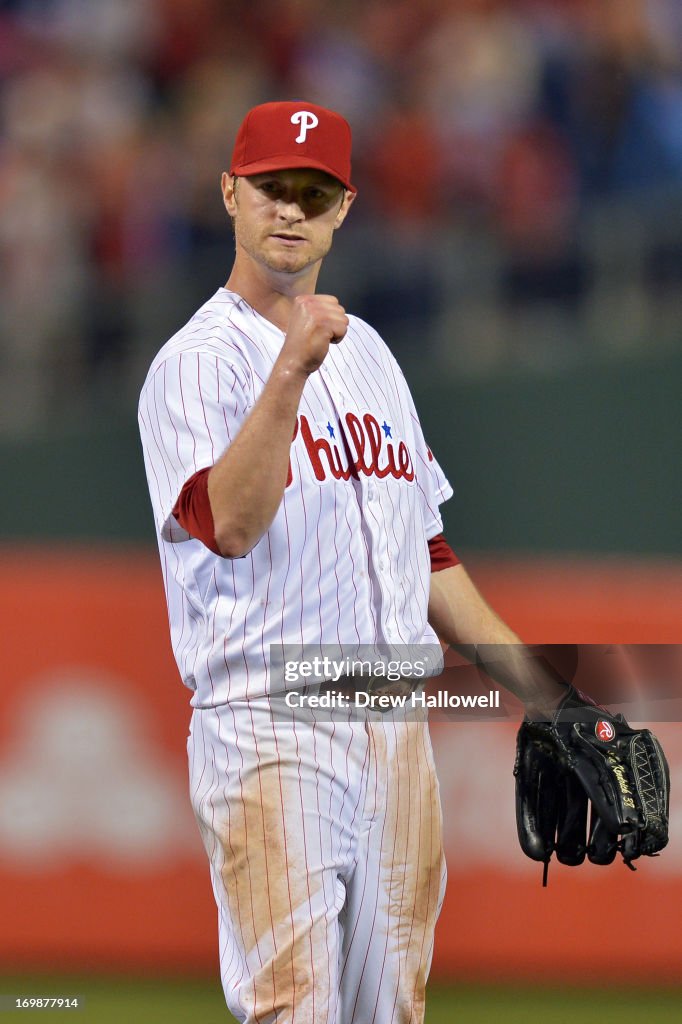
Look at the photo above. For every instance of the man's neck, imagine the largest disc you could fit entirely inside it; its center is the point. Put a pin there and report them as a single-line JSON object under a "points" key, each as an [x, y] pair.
{"points": [[271, 293]]}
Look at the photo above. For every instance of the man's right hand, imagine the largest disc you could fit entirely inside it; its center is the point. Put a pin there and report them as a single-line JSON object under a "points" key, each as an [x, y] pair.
{"points": [[316, 322]]}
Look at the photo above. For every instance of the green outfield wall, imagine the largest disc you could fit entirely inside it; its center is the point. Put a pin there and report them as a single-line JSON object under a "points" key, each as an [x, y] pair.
{"points": [[583, 460]]}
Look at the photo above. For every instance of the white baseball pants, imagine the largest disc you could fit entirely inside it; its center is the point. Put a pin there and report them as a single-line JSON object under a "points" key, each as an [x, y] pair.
{"points": [[326, 860]]}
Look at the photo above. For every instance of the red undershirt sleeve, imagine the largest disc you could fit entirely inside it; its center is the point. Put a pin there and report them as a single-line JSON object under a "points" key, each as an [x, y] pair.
{"points": [[442, 555], [193, 510]]}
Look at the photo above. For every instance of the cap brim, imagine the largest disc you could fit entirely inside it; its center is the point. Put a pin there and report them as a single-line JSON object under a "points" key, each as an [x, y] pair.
{"points": [[286, 163]]}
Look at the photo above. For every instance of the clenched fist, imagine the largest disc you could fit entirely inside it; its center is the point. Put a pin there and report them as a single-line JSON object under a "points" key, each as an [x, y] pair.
{"points": [[316, 322]]}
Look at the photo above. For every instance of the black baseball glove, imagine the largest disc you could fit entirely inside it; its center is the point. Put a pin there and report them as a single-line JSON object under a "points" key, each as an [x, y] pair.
{"points": [[587, 757]]}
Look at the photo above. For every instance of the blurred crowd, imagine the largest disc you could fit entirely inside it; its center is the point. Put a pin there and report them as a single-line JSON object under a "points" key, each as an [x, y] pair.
{"points": [[118, 115]]}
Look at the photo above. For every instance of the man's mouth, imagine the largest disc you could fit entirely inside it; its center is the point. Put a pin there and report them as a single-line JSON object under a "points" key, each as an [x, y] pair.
{"points": [[289, 239]]}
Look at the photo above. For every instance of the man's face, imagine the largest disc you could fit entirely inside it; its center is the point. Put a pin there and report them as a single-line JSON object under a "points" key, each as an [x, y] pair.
{"points": [[285, 220]]}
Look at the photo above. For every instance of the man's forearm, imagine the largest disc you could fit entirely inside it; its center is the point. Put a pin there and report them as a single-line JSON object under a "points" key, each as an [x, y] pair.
{"points": [[464, 620], [246, 485]]}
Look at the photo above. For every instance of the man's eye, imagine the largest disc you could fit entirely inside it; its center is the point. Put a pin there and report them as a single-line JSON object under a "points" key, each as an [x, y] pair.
{"points": [[270, 187], [315, 195]]}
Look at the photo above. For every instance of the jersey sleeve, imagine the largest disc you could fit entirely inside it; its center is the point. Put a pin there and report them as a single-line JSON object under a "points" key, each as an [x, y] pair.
{"points": [[434, 486], [191, 408]]}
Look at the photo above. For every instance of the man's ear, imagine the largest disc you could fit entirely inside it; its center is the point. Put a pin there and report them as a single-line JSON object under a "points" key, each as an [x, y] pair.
{"points": [[346, 202], [228, 184]]}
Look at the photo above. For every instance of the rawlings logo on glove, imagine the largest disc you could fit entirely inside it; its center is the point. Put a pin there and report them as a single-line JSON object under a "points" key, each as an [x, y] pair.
{"points": [[587, 758]]}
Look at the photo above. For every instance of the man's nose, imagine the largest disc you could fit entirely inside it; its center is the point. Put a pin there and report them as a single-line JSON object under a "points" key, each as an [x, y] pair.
{"points": [[290, 209]]}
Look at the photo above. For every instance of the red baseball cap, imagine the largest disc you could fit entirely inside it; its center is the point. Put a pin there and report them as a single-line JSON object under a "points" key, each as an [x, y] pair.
{"points": [[279, 136]]}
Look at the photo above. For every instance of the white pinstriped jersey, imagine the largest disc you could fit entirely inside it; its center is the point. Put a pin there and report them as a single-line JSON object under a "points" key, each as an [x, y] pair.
{"points": [[345, 560]]}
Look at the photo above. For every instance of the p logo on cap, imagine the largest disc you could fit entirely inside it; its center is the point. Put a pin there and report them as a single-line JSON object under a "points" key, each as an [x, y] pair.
{"points": [[307, 120]]}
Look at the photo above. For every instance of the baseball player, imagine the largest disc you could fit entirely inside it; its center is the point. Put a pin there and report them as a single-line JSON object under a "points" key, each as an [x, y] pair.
{"points": [[296, 502]]}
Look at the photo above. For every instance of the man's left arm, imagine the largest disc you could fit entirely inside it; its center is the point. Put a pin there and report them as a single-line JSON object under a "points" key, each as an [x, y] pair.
{"points": [[463, 619], [460, 614]]}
